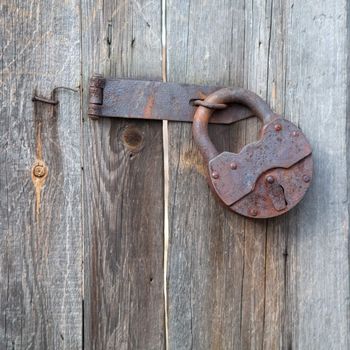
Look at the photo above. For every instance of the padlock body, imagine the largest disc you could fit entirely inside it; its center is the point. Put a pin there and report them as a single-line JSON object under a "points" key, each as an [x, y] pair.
{"points": [[267, 178]]}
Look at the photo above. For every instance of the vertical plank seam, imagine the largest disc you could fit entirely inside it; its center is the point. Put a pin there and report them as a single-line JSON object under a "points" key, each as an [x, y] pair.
{"points": [[285, 342], [347, 140], [266, 221], [166, 180], [82, 188], [245, 221], [265, 272]]}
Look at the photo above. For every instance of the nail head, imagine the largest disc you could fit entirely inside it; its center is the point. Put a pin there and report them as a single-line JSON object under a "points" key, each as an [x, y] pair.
{"points": [[278, 127], [233, 166], [270, 179], [215, 175], [306, 178], [253, 212], [39, 171]]}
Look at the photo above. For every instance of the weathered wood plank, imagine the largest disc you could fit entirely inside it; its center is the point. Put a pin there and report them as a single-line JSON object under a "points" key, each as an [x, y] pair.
{"points": [[123, 186], [233, 283], [236, 283], [318, 242], [217, 259], [40, 230], [277, 231]]}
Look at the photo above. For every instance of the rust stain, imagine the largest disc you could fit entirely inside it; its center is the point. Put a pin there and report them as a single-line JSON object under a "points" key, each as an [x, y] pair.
{"points": [[191, 159], [273, 94], [39, 172], [147, 112]]}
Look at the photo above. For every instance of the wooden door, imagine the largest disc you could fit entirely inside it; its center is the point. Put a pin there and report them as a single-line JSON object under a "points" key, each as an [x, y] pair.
{"points": [[115, 241]]}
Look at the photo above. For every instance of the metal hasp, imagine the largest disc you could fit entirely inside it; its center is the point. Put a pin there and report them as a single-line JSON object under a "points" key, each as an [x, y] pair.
{"points": [[266, 178], [154, 100]]}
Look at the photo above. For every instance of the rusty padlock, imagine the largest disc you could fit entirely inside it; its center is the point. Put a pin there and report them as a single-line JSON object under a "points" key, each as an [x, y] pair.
{"points": [[266, 178]]}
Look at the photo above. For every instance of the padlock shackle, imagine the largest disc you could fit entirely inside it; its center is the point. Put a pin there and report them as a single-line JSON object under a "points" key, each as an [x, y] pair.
{"points": [[226, 96]]}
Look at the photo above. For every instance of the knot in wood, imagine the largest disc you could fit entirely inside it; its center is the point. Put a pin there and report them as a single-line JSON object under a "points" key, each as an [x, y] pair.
{"points": [[133, 138]]}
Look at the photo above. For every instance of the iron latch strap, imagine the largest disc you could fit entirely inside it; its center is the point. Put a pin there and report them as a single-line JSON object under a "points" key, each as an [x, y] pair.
{"points": [[155, 100]]}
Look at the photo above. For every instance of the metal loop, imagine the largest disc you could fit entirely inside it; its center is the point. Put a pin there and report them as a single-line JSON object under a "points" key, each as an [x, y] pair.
{"points": [[223, 97], [209, 105]]}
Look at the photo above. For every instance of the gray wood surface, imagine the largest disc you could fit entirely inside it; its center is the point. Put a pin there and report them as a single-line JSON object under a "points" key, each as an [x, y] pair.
{"points": [[81, 248], [282, 283], [123, 186], [318, 243], [40, 220]]}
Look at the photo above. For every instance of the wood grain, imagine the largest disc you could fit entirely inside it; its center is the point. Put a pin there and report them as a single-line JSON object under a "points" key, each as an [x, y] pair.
{"points": [[276, 284], [123, 186], [318, 244], [40, 225], [216, 266], [81, 248]]}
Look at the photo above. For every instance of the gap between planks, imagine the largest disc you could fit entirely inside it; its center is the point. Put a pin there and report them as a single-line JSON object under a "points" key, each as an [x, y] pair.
{"points": [[166, 181]]}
